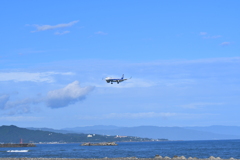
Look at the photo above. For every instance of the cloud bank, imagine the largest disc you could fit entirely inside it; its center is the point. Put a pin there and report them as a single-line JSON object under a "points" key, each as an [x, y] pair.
{"points": [[203, 33], [101, 33], [50, 27], [33, 77], [3, 100], [145, 115], [67, 95], [63, 97], [18, 106], [225, 43], [140, 115], [212, 37], [20, 118], [61, 33]]}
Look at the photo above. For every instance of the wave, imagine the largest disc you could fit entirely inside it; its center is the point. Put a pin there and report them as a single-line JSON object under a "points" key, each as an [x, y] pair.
{"points": [[17, 150]]}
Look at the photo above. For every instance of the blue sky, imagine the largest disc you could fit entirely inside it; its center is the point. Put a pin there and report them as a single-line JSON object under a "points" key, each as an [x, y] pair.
{"points": [[183, 57]]}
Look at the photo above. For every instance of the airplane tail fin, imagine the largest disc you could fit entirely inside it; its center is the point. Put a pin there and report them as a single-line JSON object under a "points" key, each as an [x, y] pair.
{"points": [[122, 76]]}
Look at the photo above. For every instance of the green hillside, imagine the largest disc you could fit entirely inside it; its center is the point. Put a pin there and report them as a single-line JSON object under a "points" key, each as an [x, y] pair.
{"points": [[13, 134]]}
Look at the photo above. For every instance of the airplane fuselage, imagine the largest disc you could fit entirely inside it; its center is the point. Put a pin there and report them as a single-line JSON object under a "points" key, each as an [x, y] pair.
{"points": [[108, 80], [118, 80]]}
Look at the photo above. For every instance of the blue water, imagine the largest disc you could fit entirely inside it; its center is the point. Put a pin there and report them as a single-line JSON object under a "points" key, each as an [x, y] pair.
{"points": [[200, 149]]}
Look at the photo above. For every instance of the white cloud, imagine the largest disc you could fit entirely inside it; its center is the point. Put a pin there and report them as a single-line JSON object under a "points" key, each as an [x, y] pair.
{"points": [[101, 33], [3, 100], [131, 115], [178, 82], [140, 115], [203, 33], [28, 76], [29, 51], [225, 43], [212, 37], [17, 107], [67, 95], [61, 33], [130, 83], [200, 105], [23, 103], [197, 61], [54, 99], [148, 115], [20, 118], [49, 27]]}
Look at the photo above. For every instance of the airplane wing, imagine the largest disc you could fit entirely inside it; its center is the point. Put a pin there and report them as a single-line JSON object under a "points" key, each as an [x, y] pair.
{"points": [[127, 78], [121, 80]]}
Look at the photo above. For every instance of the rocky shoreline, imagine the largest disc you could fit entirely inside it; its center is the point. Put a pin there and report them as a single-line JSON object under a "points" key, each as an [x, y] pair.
{"points": [[100, 144], [157, 157]]}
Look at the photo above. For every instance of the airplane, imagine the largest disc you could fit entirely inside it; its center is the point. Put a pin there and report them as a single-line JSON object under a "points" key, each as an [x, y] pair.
{"points": [[109, 79]]}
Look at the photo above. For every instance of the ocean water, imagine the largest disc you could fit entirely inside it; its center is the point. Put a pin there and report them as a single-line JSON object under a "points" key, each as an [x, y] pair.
{"points": [[200, 149]]}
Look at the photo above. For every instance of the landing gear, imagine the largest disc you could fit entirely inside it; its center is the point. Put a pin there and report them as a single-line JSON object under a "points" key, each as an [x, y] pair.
{"points": [[111, 83]]}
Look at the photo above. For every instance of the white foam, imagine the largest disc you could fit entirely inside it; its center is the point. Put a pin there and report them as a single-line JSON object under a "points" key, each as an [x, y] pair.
{"points": [[17, 150]]}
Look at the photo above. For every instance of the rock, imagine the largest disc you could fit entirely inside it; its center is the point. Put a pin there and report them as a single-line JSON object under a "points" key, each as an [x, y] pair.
{"points": [[157, 156], [182, 157], [167, 157], [211, 157]]}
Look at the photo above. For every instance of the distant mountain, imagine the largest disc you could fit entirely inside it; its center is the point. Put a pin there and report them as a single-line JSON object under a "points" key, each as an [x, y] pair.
{"points": [[171, 133], [95, 127], [87, 129], [13, 134], [227, 130], [51, 130]]}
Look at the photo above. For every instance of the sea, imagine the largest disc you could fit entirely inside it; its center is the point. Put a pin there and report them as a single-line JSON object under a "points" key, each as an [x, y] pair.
{"points": [[224, 149]]}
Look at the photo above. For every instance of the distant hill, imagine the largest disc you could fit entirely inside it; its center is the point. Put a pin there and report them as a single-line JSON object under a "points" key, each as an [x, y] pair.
{"points": [[226, 130], [13, 134], [52, 130], [171, 133], [95, 127]]}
